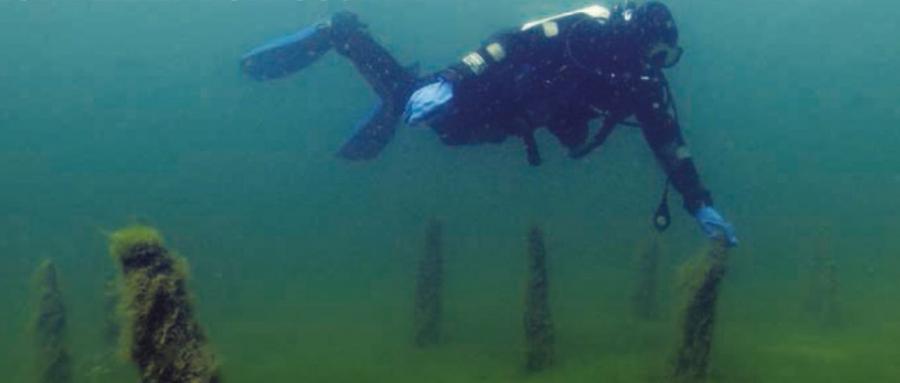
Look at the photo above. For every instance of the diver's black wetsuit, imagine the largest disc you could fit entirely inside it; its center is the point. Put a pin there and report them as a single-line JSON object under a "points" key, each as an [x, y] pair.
{"points": [[559, 75]]}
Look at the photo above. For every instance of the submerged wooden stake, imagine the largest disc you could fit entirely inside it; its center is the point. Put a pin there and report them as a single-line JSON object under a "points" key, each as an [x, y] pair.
{"points": [[539, 336], [429, 287], [162, 336], [698, 323], [54, 363], [645, 300]]}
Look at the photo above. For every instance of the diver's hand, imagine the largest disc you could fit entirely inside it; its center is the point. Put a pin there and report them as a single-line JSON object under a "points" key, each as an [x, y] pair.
{"points": [[714, 226], [427, 101]]}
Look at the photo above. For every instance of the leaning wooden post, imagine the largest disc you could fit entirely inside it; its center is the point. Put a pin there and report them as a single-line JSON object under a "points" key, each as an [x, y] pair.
{"points": [[54, 362], [539, 337], [698, 322], [429, 287], [162, 336]]}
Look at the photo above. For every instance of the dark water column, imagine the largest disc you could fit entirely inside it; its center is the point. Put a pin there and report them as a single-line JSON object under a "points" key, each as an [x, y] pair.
{"points": [[698, 323], [110, 312], [429, 286], [163, 338], [539, 337], [645, 299], [822, 302], [54, 363]]}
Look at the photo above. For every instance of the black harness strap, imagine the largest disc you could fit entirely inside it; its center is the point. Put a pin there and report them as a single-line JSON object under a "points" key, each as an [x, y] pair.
{"points": [[531, 149], [663, 218], [609, 124]]}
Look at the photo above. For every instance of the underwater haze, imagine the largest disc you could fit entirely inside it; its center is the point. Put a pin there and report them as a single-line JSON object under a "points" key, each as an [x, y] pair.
{"points": [[303, 266]]}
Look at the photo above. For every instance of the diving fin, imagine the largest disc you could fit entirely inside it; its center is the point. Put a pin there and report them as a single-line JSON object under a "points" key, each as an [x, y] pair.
{"points": [[372, 134], [288, 54]]}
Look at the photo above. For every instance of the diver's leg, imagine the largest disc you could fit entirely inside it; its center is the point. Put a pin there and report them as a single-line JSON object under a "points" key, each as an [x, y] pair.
{"points": [[391, 81]]}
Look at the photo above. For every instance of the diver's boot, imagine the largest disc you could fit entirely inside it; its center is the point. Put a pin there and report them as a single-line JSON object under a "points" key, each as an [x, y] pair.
{"points": [[286, 55]]}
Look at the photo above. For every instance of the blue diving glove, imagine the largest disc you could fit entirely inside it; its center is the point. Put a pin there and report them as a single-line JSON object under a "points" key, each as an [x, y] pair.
{"points": [[428, 101], [714, 226]]}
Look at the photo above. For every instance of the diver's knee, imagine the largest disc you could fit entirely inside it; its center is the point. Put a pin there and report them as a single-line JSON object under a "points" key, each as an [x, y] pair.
{"points": [[344, 23]]}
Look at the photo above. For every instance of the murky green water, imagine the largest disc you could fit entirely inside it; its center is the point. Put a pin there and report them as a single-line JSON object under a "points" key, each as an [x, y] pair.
{"points": [[303, 265]]}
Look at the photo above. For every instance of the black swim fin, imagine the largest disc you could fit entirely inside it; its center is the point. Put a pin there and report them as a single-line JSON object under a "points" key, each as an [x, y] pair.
{"points": [[372, 134], [288, 54]]}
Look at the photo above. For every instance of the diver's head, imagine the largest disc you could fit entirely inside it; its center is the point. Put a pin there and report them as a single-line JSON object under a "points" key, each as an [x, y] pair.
{"points": [[655, 31]]}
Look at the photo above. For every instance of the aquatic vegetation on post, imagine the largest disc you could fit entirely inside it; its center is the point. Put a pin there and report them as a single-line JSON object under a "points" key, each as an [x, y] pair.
{"points": [[645, 298], [54, 362], [161, 334], [702, 281], [429, 287], [539, 336]]}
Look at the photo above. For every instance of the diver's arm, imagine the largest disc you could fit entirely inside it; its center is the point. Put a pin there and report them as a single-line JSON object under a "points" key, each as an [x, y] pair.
{"points": [[664, 136]]}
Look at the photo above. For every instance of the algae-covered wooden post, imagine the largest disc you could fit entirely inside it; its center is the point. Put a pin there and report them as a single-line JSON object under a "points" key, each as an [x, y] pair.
{"points": [[54, 362], [429, 286], [539, 336], [703, 284], [645, 300], [161, 334]]}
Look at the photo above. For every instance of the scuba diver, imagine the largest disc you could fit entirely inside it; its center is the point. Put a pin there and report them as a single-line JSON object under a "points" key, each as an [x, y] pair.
{"points": [[560, 72]]}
